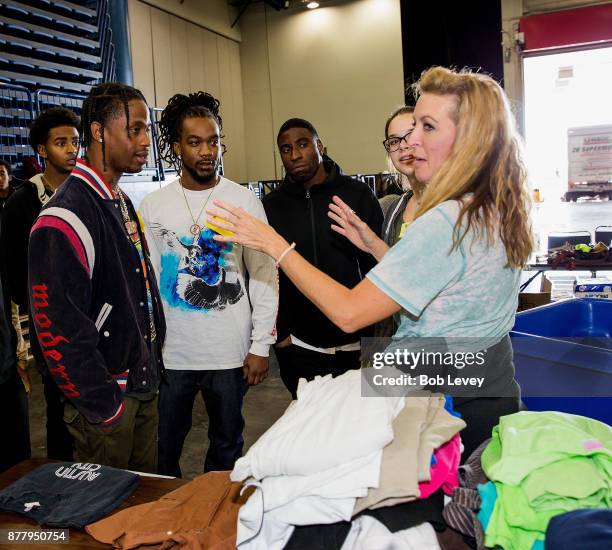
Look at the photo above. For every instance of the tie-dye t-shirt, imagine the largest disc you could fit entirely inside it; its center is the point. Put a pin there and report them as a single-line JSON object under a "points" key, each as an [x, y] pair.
{"points": [[469, 292]]}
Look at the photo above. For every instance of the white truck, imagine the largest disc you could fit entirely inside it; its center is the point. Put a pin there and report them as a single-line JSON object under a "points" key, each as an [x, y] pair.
{"points": [[590, 162]]}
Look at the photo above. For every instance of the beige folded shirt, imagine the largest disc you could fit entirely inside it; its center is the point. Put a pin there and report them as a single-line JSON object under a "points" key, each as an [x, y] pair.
{"points": [[421, 427]]}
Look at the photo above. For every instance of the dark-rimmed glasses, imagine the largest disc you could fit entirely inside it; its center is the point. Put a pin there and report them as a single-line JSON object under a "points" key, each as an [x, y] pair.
{"points": [[392, 144]]}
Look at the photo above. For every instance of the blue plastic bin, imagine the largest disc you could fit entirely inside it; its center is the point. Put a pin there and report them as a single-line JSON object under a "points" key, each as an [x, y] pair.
{"points": [[563, 357]]}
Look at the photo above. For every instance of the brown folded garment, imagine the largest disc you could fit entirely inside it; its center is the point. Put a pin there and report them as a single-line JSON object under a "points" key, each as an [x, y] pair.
{"points": [[201, 514]]}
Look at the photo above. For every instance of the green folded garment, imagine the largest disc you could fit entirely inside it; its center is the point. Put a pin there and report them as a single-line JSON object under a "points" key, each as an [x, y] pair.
{"points": [[544, 464]]}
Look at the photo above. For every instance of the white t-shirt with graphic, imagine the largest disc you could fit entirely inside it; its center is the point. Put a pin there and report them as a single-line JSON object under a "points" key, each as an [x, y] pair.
{"points": [[220, 299]]}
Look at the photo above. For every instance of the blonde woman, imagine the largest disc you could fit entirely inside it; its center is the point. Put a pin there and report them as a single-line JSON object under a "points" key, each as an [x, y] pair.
{"points": [[455, 272]]}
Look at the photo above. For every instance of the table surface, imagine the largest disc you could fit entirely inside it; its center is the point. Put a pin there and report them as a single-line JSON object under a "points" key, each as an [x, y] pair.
{"points": [[538, 266], [149, 489]]}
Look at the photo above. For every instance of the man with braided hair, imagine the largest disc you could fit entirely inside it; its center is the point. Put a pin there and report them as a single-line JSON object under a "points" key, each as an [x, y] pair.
{"points": [[93, 294], [220, 300]]}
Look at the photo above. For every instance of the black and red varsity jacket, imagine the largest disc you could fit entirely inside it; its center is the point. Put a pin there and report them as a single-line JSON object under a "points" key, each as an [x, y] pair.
{"points": [[88, 298]]}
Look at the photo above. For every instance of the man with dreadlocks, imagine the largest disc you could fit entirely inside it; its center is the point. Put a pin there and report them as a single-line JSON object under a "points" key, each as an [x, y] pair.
{"points": [[220, 327], [93, 294]]}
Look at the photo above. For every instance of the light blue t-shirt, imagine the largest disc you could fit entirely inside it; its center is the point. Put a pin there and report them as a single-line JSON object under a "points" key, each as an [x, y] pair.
{"points": [[469, 292]]}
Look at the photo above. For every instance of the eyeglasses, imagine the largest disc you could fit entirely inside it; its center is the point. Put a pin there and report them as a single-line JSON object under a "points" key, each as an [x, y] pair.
{"points": [[392, 144]]}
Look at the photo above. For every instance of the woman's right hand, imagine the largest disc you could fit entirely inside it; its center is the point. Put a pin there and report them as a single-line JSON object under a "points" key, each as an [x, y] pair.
{"points": [[351, 226]]}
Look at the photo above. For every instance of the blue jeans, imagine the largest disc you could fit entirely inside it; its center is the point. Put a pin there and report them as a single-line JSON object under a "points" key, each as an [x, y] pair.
{"points": [[223, 392]]}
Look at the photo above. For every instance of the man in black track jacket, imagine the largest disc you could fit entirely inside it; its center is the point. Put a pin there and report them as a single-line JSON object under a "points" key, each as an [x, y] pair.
{"points": [[309, 344], [93, 294]]}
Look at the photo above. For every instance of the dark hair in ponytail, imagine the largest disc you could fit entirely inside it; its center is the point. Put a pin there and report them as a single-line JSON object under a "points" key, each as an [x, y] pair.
{"points": [[179, 108], [404, 110]]}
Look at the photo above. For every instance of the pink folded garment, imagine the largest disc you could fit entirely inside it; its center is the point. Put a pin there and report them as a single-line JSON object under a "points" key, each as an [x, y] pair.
{"points": [[444, 473]]}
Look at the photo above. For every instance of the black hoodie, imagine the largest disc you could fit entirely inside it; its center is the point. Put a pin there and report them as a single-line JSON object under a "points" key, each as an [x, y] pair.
{"points": [[20, 213], [300, 216]]}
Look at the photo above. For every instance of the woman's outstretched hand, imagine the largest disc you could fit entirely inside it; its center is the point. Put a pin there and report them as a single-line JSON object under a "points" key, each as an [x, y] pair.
{"points": [[351, 226], [245, 229]]}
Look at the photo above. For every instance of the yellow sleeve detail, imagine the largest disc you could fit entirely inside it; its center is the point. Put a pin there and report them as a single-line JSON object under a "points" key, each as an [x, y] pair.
{"points": [[403, 229], [219, 230]]}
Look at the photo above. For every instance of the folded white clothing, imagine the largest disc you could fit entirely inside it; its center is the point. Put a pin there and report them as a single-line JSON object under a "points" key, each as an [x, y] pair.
{"points": [[368, 533], [272, 530], [279, 503], [329, 424], [351, 479]]}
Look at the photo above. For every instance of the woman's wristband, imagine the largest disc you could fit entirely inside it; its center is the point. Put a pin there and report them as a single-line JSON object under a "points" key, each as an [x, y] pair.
{"points": [[285, 252]]}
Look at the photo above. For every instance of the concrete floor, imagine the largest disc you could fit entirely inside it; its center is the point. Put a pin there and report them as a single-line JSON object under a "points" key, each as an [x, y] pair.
{"points": [[263, 405]]}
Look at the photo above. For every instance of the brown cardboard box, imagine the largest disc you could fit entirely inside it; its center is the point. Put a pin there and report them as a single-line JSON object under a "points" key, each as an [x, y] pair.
{"points": [[528, 300]]}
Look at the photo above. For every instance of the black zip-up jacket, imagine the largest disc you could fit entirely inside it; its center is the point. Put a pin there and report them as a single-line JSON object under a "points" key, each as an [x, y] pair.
{"points": [[20, 213], [18, 217], [300, 216], [88, 298]]}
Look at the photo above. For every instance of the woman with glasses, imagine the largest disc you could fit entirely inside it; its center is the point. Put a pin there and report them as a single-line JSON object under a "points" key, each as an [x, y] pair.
{"points": [[398, 210], [454, 275]]}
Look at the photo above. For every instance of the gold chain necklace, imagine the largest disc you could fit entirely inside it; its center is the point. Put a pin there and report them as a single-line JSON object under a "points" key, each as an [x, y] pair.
{"points": [[195, 228], [130, 225]]}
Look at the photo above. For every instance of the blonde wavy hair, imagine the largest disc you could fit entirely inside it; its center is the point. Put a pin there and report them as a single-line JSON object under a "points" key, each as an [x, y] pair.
{"points": [[485, 160]]}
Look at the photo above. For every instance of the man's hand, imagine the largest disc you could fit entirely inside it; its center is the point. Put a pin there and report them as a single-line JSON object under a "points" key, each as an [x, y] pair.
{"points": [[22, 369], [255, 369], [284, 343]]}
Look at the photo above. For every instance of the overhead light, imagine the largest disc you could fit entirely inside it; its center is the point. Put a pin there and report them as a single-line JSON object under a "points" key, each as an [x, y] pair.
{"points": [[312, 5]]}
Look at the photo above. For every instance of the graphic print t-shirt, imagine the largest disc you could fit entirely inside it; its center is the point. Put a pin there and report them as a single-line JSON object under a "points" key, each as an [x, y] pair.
{"points": [[202, 282]]}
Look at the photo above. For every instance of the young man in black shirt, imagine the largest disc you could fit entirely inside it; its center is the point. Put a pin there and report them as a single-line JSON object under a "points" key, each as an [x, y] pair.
{"points": [[54, 135]]}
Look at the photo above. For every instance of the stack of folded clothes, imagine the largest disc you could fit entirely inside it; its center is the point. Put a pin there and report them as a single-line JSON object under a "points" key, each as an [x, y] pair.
{"points": [[541, 465], [338, 468]]}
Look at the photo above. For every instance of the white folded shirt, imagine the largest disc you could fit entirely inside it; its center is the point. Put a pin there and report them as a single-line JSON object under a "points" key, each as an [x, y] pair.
{"points": [[368, 533], [329, 424], [279, 503]]}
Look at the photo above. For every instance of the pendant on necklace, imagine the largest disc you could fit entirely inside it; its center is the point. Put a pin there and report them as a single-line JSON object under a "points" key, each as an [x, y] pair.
{"points": [[131, 227], [195, 229]]}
